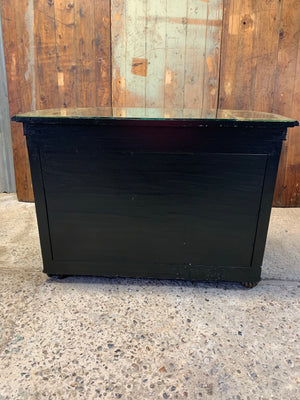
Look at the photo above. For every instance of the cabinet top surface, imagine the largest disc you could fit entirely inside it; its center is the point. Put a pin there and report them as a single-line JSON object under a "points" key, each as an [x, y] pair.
{"points": [[176, 116]]}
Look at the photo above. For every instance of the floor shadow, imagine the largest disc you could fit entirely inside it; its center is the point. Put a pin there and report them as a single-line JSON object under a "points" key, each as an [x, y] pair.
{"points": [[142, 282]]}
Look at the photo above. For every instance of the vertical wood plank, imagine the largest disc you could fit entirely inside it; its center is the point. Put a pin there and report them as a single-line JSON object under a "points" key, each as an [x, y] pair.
{"points": [[280, 181], [286, 84], [291, 197], [264, 62], [118, 21], [288, 98], [85, 53], [136, 63], [155, 52], [175, 53], [45, 55], [18, 56], [66, 51], [195, 54], [229, 53], [102, 42], [244, 78], [288, 36], [212, 54]]}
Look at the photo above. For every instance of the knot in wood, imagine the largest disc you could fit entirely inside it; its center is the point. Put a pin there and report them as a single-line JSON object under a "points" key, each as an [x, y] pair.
{"points": [[246, 22]]}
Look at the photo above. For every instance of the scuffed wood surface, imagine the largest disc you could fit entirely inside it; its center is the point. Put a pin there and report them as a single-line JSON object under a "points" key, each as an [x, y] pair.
{"points": [[249, 54], [287, 102], [66, 44], [57, 55], [259, 55], [156, 33], [85, 53], [291, 188], [17, 34], [47, 94], [179, 42], [102, 43], [212, 54]]}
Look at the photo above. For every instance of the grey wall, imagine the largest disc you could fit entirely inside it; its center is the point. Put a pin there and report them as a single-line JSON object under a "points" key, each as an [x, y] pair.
{"points": [[7, 176]]}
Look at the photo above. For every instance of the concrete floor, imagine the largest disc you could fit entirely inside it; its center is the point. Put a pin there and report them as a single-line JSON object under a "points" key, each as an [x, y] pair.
{"points": [[91, 338]]}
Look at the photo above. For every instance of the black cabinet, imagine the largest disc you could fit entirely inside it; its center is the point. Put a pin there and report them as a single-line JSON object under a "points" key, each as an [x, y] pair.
{"points": [[183, 196]]}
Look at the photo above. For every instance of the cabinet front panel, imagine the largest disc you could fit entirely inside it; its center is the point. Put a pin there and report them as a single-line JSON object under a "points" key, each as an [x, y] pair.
{"points": [[178, 208]]}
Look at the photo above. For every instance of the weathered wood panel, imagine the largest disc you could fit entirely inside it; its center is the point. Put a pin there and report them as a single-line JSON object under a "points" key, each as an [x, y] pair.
{"points": [[118, 15], [249, 54], [195, 53], [176, 45], [85, 52], [260, 42], [156, 33], [47, 95], [212, 54], [176, 29], [57, 55], [286, 101], [102, 42], [291, 194], [17, 27], [66, 61], [135, 57]]}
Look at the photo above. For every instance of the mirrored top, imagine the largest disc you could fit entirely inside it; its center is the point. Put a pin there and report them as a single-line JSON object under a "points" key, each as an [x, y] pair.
{"points": [[160, 114], [154, 113]]}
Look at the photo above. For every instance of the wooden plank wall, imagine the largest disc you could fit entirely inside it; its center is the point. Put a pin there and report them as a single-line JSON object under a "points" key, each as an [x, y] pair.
{"points": [[57, 54], [165, 53], [260, 70]]}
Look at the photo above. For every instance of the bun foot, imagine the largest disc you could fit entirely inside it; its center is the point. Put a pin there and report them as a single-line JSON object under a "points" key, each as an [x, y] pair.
{"points": [[57, 276], [249, 285]]}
